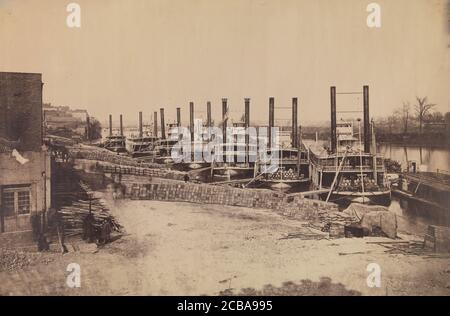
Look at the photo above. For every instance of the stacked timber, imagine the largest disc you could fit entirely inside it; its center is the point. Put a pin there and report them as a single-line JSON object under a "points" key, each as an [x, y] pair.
{"points": [[437, 238], [75, 203], [73, 216]]}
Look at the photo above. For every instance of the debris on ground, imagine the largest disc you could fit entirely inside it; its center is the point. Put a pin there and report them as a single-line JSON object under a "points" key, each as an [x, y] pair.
{"points": [[357, 220], [304, 236], [414, 247], [324, 286], [354, 253], [12, 260], [376, 220]]}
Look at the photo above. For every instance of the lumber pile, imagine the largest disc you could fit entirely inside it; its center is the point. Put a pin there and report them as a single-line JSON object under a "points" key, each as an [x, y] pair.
{"points": [[73, 216], [437, 238], [333, 222], [404, 247], [75, 206], [306, 233]]}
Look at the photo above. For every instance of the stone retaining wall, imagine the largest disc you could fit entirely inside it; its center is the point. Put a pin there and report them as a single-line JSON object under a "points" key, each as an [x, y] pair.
{"points": [[100, 154], [136, 169], [293, 205]]}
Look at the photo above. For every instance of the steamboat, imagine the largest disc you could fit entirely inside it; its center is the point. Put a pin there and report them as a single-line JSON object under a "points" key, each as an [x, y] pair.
{"points": [[290, 171], [350, 171], [115, 143], [287, 169], [140, 146], [234, 163]]}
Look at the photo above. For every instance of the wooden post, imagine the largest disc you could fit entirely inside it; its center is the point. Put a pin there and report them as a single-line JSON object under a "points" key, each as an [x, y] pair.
{"points": [[299, 149]]}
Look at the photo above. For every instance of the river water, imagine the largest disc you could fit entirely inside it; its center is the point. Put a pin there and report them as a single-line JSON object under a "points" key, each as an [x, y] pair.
{"points": [[410, 217], [429, 159]]}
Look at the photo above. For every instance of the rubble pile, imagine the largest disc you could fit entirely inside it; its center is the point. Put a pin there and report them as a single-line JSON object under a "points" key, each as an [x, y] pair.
{"points": [[12, 260]]}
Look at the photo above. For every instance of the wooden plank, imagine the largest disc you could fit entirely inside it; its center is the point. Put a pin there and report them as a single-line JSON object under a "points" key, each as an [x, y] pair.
{"points": [[318, 191]]}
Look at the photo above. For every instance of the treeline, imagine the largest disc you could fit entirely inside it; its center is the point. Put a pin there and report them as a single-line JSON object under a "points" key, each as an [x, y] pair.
{"points": [[410, 124], [415, 124], [92, 131]]}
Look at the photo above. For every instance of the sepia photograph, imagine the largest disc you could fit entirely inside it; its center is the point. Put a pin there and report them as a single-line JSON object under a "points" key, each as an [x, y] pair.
{"points": [[216, 150]]}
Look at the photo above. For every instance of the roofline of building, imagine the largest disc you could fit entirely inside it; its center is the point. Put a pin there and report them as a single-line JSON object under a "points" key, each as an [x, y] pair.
{"points": [[20, 73]]}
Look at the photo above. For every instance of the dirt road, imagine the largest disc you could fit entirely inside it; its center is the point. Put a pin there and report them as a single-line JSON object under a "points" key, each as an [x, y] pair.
{"points": [[190, 249]]}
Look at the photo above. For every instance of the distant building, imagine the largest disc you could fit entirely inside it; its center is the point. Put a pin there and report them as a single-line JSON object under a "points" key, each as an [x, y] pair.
{"points": [[24, 163], [63, 121]]}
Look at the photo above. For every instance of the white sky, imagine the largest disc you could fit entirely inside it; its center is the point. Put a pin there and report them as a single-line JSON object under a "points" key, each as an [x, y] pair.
{"points": [[141, 55]]}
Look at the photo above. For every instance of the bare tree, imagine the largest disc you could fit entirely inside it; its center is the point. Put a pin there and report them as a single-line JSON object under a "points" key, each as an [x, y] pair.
{"points": [[422, 108], [436, 117], [403, 114], [391, 121]]}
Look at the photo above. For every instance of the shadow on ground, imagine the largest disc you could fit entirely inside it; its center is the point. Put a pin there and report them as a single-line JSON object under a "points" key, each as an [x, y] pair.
{"points": [[304, 288]]}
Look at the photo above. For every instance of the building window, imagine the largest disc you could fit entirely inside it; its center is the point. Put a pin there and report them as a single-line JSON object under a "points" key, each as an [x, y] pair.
{"points": [[16, 200], [8, 203], [23, 202]]}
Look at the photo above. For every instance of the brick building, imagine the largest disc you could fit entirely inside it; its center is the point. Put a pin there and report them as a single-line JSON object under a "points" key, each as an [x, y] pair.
{"points": [[63, 121], [24, 163]]}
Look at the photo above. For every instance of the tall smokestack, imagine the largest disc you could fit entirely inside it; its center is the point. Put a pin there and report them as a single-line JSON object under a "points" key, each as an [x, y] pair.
{"points": [[271, 119], [155, 124], [110, 125], [247, 125], [88, 126], [178, 117], [140, 125], [163, 126], [367, 133], [208, 114], [224, 126], [224, 119], [121, 125], [294, 123], [333, 119], [191, 119]]}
